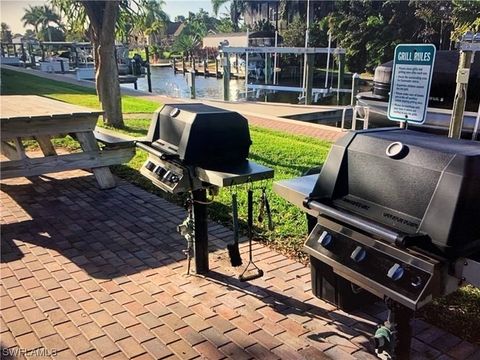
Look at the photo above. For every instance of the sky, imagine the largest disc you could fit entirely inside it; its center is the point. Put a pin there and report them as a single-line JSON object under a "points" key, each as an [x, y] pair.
{"points": [[11, 11]]}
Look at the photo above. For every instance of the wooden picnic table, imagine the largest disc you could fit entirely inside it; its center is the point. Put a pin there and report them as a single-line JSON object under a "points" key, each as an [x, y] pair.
{"points": [[26, 117]]}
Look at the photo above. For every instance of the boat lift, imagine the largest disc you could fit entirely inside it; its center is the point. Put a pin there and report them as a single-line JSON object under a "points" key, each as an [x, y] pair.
{"points": [[307, 90]]}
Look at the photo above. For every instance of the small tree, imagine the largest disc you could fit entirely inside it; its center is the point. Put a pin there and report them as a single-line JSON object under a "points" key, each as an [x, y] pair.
{"points": [[186, 44], [6, 33], [295, 34], [225, 25], [465, 17], [52, 34], [263, 25]]}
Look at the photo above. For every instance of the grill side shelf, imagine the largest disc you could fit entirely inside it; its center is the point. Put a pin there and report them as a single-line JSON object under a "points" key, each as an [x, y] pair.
{"points": [[242, 173]]}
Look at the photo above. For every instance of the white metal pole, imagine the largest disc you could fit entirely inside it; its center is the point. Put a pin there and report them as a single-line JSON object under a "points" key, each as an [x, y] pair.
{"points": [[477, 124], [265, 76], [246, 66], [305, 55], [328, 57], [275, 60]]}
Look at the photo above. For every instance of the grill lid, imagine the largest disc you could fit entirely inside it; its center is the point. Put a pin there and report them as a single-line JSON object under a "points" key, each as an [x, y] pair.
{"points": [[201, 135]]}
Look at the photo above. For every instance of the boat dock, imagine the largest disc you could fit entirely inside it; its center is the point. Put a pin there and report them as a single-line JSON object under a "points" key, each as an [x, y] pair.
{"points": [[209, 73]]}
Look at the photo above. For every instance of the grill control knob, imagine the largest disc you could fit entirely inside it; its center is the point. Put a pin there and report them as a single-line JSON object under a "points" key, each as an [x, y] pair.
{"points": [[395, 272], [160, 171], [358, 254], [325, 239], [416, 282], [150, 166], [174, 178]]}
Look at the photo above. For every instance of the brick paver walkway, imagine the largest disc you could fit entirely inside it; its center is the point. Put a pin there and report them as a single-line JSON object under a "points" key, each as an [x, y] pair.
{"points": [[296, 128], [101, 274]]}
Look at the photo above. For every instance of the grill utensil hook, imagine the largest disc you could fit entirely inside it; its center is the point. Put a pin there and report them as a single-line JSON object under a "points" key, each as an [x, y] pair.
{"points": [[259, 272], [233, 249]]}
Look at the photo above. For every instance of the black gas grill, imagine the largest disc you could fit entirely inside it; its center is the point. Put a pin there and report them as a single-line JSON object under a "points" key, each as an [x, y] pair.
{"points": [[194, 148], [397, 214]]}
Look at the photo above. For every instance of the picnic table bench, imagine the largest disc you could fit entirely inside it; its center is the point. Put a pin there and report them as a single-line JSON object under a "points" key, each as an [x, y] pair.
{"points": [[26, 117]]}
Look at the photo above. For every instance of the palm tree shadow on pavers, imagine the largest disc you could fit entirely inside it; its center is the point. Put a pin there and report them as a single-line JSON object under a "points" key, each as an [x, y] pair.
{"points": [[107, 233]]}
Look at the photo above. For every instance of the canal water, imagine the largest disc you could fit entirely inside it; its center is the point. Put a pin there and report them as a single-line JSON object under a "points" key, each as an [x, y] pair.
{"points": [[164, 82]]}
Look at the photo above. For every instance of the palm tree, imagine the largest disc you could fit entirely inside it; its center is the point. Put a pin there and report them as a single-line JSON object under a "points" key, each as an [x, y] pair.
{"points": [[237, 8], [154, 19], [49, 16], [32, 17], [216, 5], [186, 44], [41, 16]]}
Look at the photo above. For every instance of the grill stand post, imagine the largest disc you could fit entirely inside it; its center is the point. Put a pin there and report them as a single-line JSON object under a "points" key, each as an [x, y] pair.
{"points": [[201, 231], [402, 317], [395, 336]]}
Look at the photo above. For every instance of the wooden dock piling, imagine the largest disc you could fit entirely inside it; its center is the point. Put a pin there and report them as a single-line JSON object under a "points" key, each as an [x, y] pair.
{"points": [[149, 74]]}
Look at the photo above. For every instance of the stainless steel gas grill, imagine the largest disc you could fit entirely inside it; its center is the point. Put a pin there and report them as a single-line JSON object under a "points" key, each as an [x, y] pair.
{"points": [[397, 213], [194, 148]]}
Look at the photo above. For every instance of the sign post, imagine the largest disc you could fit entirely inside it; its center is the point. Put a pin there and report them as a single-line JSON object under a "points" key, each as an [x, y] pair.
{"points": [[411, 80]]}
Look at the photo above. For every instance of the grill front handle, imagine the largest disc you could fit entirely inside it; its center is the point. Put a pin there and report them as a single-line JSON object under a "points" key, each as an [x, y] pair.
{"points": [[399, 239], [150, 150]]}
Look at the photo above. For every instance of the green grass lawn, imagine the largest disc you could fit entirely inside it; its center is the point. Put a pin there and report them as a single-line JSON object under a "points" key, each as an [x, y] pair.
{"points": [[288, 155], [15, 83]]}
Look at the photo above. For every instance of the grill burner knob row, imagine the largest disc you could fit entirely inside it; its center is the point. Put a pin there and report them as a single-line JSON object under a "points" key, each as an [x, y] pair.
{"points": [[396, 272], [359, 254]]}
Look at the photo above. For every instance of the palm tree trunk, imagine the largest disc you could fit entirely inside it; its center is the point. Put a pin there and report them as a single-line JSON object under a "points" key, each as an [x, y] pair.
{"points": [[107, 84]]}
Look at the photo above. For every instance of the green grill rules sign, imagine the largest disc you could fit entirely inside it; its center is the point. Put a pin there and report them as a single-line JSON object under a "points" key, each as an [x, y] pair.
{"points": [[411, 79]]}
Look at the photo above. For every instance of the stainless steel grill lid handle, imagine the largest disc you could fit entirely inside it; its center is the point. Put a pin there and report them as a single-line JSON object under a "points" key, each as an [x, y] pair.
{"points": [[399, 239]]}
